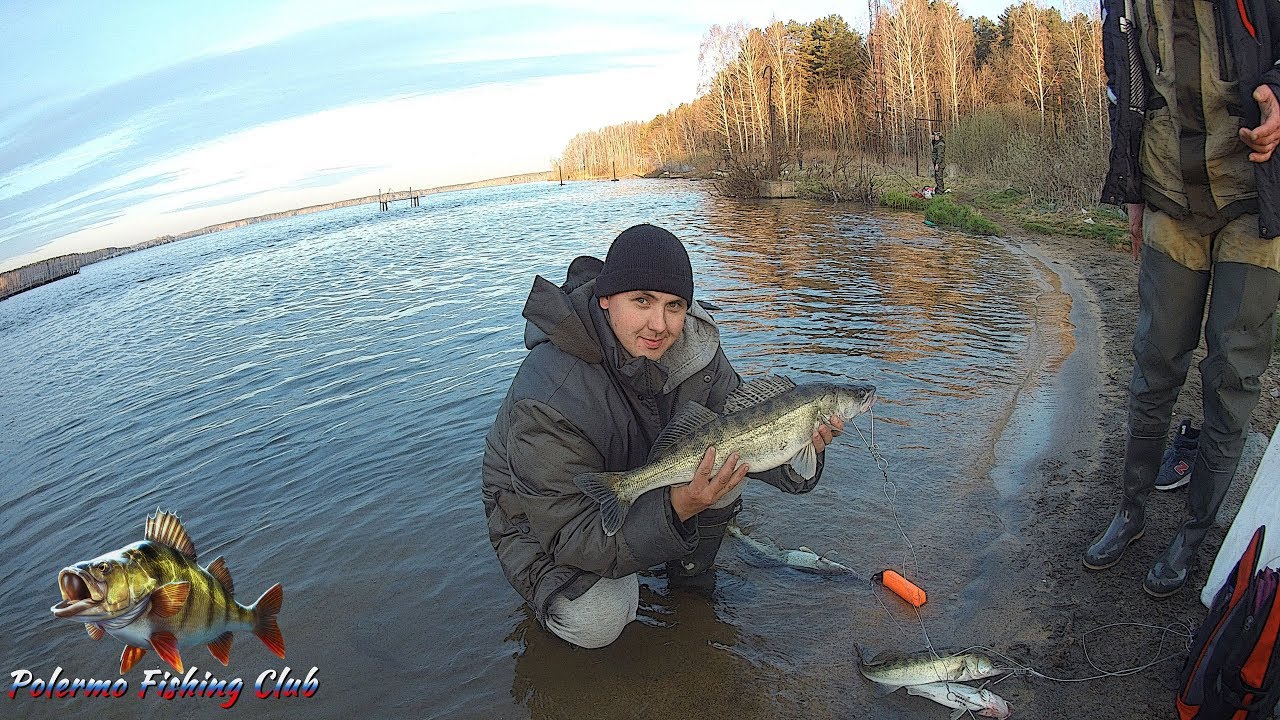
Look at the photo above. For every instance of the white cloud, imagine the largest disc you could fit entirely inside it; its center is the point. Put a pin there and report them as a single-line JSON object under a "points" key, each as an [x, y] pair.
{"points": [[42, 172], [422, 141]]}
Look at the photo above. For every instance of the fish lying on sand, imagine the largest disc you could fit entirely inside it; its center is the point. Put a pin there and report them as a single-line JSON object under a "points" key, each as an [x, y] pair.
{"points": [[890, 671], [153, 594], [964, 699], [763, 554], [768, 422]]}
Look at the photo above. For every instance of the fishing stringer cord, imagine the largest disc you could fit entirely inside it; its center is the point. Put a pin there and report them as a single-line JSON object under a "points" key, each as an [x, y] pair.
{"points": [[890, 490]]}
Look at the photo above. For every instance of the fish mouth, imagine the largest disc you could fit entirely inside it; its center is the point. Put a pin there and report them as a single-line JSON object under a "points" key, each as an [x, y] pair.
{"points": [[80, 593]]}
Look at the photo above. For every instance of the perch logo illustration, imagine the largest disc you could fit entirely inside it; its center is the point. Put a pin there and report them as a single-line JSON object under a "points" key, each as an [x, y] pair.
{"points": [[153, 594]]}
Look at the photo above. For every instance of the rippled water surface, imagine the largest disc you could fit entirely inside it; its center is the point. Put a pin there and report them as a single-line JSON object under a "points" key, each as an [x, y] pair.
{"points": [[311, 396]]}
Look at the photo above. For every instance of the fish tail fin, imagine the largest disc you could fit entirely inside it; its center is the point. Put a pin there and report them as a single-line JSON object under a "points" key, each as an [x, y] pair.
{"points": [[264, 619], [602, 487]]}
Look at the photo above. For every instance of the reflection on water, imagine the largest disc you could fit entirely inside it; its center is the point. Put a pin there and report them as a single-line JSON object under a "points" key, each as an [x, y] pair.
{"points": [[311, 396]]}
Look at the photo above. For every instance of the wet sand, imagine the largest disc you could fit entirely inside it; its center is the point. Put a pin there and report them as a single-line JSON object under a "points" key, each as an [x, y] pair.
{"points": [[1059, 609]]}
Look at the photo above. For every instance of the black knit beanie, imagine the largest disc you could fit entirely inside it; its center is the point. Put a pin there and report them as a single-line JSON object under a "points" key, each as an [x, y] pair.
{"points": [[646, 257]]}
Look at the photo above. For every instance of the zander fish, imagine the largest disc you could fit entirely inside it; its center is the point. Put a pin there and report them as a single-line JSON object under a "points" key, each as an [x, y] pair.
{"points": [[766, 555], [153, 594], [768, 422], [964, 699], [892, 671]]}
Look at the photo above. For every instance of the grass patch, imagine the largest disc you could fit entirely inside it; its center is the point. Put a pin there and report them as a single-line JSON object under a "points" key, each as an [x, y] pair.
{"points": [[1109, 230], [899, 200], [943, 211], [1044, 216], [1007, 199]]}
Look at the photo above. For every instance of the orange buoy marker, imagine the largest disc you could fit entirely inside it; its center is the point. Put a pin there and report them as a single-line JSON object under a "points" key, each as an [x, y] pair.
{"points": [[901, 587]]}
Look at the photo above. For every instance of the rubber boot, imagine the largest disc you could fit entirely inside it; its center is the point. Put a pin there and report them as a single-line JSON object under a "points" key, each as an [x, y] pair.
{"points": [[1170, 571], [697, 569], [1141, 463]]}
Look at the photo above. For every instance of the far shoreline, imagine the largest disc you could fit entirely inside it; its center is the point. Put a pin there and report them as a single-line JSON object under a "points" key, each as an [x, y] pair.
{"points": [[43, 272]]}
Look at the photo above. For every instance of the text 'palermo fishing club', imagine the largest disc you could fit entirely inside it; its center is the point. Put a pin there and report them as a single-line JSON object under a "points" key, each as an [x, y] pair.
{"points": [[271, 684]]}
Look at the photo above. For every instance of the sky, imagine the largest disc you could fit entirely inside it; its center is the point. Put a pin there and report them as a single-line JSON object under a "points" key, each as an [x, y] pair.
{"points": [[123, 122]]}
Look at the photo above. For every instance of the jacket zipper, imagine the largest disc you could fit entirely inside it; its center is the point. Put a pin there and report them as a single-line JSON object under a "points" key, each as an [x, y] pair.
{"points": [[1220, 27], [546, 605], [1153, 41]]}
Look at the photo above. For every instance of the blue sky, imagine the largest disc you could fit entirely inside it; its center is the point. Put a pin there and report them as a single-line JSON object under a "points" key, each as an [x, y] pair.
{"points": [[121, 122]]}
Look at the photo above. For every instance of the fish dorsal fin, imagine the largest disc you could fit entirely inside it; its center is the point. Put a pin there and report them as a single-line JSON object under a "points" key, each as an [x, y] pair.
{"points": [[165, 528], [684, 423], [95, 630], [756, 392], [218, 569], [168, 599], [220, 648]]}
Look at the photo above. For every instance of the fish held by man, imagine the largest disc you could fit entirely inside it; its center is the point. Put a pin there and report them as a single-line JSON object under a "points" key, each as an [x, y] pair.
{"points": [[152, 594], [762, 554], [767, 422], [890, 671], [963, 699]]}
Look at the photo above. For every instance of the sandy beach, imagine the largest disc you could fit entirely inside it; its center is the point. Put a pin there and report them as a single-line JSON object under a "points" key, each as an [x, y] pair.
{"points": [[1071, 496]]}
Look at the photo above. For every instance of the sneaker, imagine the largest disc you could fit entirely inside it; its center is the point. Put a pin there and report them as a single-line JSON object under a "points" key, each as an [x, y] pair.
{"points": [[1175, 467]]}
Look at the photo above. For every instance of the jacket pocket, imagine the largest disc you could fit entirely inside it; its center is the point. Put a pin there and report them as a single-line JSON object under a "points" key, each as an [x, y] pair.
{"points": [[1159, 155]]}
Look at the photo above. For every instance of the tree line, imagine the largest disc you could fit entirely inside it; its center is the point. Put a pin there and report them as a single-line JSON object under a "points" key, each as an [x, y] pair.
{"points": [[1026, 89]]}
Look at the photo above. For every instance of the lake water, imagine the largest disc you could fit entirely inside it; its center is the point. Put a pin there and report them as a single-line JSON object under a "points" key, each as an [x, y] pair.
{"points": [[311, 396]]}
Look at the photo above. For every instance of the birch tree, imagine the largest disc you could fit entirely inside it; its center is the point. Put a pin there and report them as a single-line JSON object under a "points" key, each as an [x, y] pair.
{"points": [[953, 40], [1031, 61]]}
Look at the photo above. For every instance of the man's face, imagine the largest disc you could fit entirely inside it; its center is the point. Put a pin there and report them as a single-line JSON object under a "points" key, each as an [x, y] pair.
{"points": [[647, 322]]}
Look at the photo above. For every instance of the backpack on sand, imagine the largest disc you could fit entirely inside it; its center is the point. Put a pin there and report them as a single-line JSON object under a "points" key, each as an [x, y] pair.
{"points": [[1233, 670]]}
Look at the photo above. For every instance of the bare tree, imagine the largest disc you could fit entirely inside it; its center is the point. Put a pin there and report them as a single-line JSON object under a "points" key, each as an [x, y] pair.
{"points": [[1031, 60], [1078, 43], [953, 39]]}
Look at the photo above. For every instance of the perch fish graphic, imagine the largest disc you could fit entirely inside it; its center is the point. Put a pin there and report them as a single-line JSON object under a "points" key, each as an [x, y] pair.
{"points": [[153, 594]]}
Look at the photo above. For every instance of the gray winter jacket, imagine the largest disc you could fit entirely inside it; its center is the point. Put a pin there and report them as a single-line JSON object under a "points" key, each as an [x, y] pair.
{"points": [[579, 404]]}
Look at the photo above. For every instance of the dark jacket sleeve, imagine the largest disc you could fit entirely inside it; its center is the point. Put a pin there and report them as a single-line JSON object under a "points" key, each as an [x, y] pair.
{"points": [[546, 452], [1253, 37], [1126, 104]]}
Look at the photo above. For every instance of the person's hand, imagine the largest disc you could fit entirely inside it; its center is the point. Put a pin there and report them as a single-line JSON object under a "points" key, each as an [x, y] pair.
{"points": [[1135, 227], [827, 431], [1264, 138], [706, 488]]}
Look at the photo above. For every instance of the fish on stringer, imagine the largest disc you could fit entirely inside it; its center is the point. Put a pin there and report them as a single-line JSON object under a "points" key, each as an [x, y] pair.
{"points": [[765, 554]]}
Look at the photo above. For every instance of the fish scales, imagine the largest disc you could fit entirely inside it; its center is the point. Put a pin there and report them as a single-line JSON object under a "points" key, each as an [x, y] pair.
{"points": [[207, 601], [758, 445], [892, 671], [767, 432]]}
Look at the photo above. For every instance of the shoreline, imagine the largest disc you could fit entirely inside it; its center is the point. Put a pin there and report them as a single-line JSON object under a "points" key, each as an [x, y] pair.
{"points": [[47, 270], [1073, 623]]}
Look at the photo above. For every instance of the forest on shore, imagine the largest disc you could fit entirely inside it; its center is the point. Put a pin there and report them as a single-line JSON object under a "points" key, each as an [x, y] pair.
{"points": [[1020, 101]]}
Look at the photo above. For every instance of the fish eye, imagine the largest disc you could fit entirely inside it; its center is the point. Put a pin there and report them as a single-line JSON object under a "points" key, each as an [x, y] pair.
{"points": [[104, 568]]}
